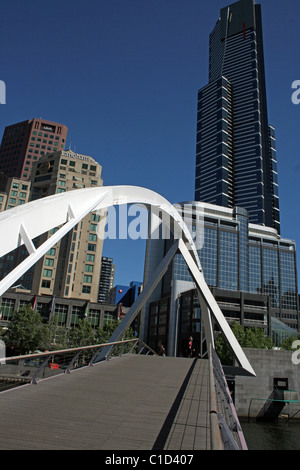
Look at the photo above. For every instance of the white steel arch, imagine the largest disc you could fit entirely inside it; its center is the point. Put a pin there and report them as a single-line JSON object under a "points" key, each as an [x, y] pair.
{"points": [[22, 224]]}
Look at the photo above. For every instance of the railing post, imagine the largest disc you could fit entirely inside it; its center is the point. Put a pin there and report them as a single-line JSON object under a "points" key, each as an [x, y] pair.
{"points": [[68, 369], [215, 434], [42, 366]]}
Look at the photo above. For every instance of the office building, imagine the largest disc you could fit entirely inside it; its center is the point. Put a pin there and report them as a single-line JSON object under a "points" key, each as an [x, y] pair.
{"points": [[125, 295], [250, 269], [26, 142], [236, 163], [107, 276], [15, 193], [71, 268], [68, 312]]}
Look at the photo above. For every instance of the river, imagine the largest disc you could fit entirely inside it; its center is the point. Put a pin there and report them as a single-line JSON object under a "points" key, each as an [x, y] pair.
{"points": [[282, 435]]}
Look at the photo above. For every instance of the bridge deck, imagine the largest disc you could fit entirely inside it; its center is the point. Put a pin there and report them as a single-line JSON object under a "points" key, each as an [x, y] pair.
{"points": [[127, 403]]}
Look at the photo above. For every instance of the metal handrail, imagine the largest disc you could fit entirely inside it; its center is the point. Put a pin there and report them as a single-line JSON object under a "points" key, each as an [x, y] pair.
{"points": [[228, 419], [215, 434], [46, 356], [60, 351]]}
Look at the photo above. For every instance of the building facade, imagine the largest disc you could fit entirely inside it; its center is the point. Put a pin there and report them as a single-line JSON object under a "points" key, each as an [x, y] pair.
{"points": [[236, 163], [67, 312], [26, 142], [250, 269], [125, 295], [107, 276], [16, 192], [71, 268]]}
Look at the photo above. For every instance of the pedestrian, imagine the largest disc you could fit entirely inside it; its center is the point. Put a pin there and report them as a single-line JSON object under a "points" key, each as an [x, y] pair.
{"points": [[191, 347], [162, 351]]}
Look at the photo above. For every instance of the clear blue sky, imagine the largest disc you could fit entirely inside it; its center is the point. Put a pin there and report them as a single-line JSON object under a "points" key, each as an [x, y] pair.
{"points": [[123, 76]]}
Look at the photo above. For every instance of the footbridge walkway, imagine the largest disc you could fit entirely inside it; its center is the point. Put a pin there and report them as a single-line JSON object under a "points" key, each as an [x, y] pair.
{"points": [[129, 402]]}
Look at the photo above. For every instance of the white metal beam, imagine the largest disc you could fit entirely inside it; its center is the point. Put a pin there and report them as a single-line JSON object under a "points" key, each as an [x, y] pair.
{"points": [[36, 254], [215, 310], [22, 224], [141, 299]]}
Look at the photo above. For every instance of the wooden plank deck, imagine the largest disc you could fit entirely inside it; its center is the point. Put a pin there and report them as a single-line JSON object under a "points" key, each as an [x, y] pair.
{"points": [[128, 403]]}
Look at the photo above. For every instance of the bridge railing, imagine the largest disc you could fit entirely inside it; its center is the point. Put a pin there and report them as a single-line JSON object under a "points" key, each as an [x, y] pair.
{"points": [[226, 431], [31, 368]]}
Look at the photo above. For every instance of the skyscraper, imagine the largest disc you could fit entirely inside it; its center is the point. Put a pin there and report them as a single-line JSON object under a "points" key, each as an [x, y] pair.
{"points": [[236, 162], [26, 142], [71, 268], [107, 276]]}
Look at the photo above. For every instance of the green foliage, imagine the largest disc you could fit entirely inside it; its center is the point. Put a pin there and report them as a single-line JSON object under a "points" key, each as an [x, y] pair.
{"points": [[25, 331], [81, 335], [103, 335], [247, 338], [288, 342], [55, 337]]}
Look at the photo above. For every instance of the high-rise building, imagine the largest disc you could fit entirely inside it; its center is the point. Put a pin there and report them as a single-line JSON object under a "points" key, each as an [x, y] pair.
{"points": [[26, 142], [107, 277], [236, 162], [250, 269], [71, 268]]}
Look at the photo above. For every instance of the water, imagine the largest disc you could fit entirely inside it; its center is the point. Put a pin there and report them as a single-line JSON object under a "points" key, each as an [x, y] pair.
{"points": [[282, 435]]}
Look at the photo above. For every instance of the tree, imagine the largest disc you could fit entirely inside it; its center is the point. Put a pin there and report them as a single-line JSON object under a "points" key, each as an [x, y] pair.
{"points": [[247, 338], [25, 332], [104, 333], [81, 335], [287, 343], [55, 336]]}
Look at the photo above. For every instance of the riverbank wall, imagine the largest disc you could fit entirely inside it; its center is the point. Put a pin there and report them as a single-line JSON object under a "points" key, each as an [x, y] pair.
{"points": [[275, 387]]}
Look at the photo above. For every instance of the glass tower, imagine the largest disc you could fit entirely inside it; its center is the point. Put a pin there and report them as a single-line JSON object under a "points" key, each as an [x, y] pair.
{"points": [[236, 161]]}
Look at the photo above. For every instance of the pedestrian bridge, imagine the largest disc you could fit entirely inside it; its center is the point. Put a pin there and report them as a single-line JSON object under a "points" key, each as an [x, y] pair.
{"points": [[129, 402]]}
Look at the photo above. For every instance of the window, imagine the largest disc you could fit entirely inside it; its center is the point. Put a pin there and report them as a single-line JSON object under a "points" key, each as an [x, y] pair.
{"points": [[23, 195], [71, 163], [49, 262], [46, 284], [87, 279], [14, 193], [89, 268], [47, 272], [86, 289], [93, 227], [90, 257], [95, 217], [12, 200], [7, 308], [91, 247], [93, 168], [92, 237]]}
